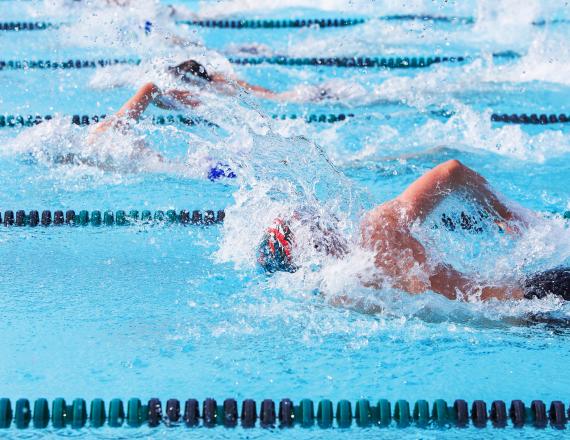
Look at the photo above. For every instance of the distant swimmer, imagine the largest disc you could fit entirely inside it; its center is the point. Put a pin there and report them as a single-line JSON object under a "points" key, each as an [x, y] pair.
{"points": [[194, 73], [386, 232], [122, 122]]}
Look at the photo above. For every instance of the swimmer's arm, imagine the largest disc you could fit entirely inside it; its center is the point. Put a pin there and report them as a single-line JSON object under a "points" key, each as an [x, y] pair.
{"points": [[180, 96], [451, 283], [133, 109], [422, 196], [258, 90]]}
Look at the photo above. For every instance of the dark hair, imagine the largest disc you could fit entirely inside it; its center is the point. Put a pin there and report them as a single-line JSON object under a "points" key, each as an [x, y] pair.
{"points": [[191, 67]]}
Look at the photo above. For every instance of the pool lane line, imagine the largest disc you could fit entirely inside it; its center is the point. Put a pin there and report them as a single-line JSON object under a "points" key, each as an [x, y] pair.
{"points": [[68, 64], [19, 26], [14, 121], [391, 62], [532, 119], [322, 23], [171, 216], [319, 23], [110, 218], [305, 414], [382, 62]]}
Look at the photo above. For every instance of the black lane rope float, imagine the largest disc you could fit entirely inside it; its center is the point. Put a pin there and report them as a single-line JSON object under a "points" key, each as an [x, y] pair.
{"points": [[535, 119], [286, 414], [13, 121], [110, 218]]}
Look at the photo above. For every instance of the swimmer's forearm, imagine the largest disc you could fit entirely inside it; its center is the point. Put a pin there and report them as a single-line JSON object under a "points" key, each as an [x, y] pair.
{"points": [[262, 91], [452, 284]]}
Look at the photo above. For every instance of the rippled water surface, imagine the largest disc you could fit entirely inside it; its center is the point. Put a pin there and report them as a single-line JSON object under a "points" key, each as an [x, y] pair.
{"points": [[173, 311]]}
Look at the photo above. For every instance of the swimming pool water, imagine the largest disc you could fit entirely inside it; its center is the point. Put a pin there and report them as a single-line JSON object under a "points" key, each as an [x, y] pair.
{"points": [[173, 311]]}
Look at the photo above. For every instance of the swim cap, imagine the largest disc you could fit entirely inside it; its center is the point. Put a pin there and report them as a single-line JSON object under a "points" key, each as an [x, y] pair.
{"points": [[274, 252]]}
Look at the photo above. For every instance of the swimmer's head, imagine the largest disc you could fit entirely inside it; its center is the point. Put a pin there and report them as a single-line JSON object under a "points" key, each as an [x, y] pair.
{"points": [[190, 71], [275, 250]]}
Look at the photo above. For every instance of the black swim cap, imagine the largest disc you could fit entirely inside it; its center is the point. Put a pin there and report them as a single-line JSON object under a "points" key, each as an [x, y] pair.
{"points": [[192, 68]]}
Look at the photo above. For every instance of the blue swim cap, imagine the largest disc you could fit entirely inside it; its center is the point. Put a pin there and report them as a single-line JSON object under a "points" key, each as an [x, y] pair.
{"points": [[274, 251], [219, 171]]}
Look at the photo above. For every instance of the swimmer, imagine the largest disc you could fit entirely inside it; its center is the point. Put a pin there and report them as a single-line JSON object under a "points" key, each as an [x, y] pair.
{"points": [[194, 73], [386, 232], [131, 112]]}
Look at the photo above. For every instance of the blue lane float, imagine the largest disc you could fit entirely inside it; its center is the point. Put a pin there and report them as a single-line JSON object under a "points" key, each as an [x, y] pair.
{"points": [[33, 218], [287, 414]]}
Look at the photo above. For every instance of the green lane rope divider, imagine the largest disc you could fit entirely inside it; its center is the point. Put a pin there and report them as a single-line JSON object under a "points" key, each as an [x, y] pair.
{"points": [[78, 414], [69, 64], [12, 121], [523, 118], [110, 218], [382, 62]]}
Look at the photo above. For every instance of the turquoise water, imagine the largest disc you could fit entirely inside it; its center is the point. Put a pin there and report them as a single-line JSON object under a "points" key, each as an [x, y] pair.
{"points": [[173, 311]]}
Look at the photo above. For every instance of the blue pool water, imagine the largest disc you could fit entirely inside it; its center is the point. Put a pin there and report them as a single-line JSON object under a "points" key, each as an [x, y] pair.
{"points": [[173, 311]]}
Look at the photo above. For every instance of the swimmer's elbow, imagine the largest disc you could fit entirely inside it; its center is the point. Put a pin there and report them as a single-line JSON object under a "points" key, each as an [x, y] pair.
{"points": [[150, 88]]}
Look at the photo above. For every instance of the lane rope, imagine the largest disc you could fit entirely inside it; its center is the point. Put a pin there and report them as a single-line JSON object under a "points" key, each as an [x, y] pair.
{"points": [[394, 62], [382, 62], [286, 414], [320, 23], [120, 217], [15, 121], [533, 118], [69, 64]]}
